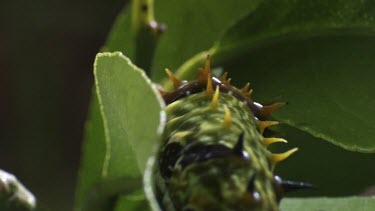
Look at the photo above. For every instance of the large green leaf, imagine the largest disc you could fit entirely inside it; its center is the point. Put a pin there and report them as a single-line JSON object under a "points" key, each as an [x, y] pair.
{"points": [[333, 170], [317, 55], [193, 26], [329, 204], [132, 119]]}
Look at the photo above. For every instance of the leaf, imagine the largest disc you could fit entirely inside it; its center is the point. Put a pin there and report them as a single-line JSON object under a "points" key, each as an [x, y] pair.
{"points": [[121, 37], [132, 119], [332, 170], [136, 33], [327, 85], [132, 112], [104, 195], [329, 204], [136, 201], [193, 26], [316, 55], [93, 155]]}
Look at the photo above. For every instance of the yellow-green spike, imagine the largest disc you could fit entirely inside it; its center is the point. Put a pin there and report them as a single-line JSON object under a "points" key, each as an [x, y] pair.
{"points": [[209, 89], [245, 89], [215, 99], [264, 124], [269, 141], [176, 83], [276, 158], [180, 135], [227, 117]]}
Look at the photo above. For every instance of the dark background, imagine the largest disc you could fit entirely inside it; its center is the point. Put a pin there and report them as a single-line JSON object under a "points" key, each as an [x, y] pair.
{"points": [[47, 49]]}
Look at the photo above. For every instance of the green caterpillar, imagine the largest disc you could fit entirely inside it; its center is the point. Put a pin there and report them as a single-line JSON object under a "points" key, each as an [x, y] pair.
{"points": [[213, 156]]}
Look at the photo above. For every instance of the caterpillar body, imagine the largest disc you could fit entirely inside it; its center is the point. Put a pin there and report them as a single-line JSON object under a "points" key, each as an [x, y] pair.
{"points": [[213, 155]]}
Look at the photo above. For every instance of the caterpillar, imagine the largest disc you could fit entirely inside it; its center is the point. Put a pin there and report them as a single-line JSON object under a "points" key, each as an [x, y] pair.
{"points": [[213, 155]]}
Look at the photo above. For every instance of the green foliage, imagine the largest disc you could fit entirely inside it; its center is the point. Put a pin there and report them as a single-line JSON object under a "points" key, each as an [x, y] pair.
{"points": [[317, 55], [331, 204], [193, 26], [131, 117], [296, 50]]}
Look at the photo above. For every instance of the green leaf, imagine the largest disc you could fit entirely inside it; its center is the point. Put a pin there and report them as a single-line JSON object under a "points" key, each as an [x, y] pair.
{"points": [[136, 33], [193, 26], [316, 55], [132, 119], [132, 112], [121, 37], [94, 149], [136, 201], [329, 204], [333, 170], [104, 195], [327, 83]]}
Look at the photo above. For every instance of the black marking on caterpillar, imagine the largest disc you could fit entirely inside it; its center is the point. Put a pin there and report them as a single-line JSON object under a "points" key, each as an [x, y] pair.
{"points": [[213, 155]]}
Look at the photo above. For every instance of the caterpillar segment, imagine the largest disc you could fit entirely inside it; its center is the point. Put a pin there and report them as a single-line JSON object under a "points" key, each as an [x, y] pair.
{"points": [[213, 156]]}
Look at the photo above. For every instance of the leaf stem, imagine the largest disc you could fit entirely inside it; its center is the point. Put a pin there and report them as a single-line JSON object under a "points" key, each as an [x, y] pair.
{"points": [[146, 32]]}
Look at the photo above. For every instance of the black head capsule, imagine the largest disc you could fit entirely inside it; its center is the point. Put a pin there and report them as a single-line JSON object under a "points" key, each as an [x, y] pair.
{"points": [[238, 149]]}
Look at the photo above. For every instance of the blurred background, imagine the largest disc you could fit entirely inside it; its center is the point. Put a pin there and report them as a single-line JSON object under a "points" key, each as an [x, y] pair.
{"points": [[47, 49]]}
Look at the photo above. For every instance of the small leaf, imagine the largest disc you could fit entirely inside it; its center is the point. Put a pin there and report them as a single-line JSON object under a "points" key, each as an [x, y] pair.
{"points": [[132, 119], [329, 204], [132, 114]]}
